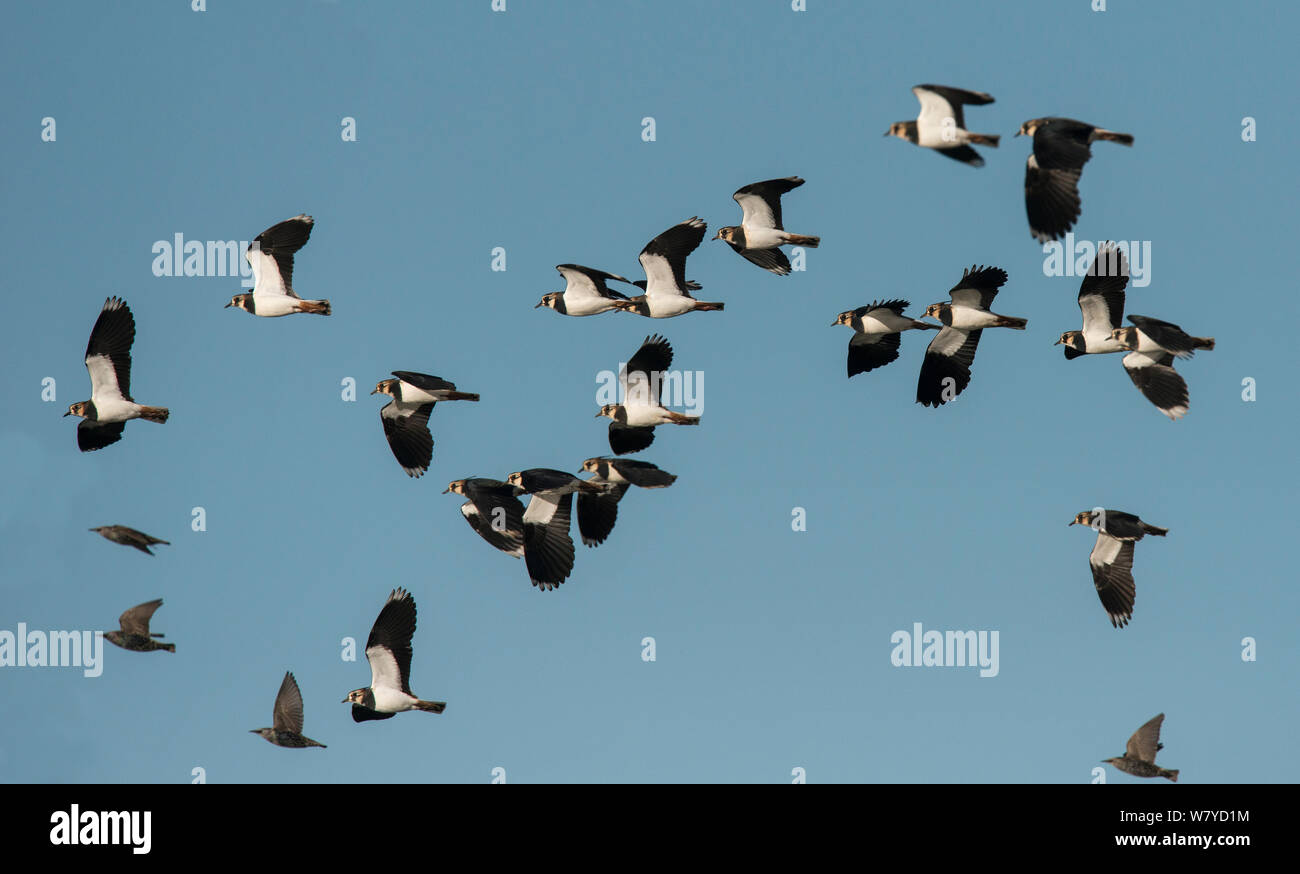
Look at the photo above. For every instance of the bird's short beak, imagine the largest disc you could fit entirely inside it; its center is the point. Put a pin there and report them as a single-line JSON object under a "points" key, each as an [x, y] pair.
{"points": [[344, 701], [834, 323], [68, 413], [598, 415], [1017, 133], [1073, 522], [718, 235], [252, 731], [229, 305], [1057, 343], [538, 304], [887, 133], [446, 490], [375, 392]]}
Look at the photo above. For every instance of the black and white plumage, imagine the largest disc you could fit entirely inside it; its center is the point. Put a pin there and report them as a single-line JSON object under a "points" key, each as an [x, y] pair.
{"points": [[667, 290], [406, 416], [760, 232], [1139, 757], [108, 361], [876, 328], [585, 292], [597, 512], [941, 125], [492, 508], [129, 537], [1061, 147], [1101, 301], [945, 371], [271, 257], [548, 548], [1112, 558], [632, 423], [287, 718], [388, 650], [1153, 346], [134, 633]]}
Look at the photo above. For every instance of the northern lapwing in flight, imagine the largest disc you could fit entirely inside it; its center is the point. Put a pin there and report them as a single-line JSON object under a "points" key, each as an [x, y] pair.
{"points": [[108, 360], [1139, 759], [1101, 300], [632, 425], [493, 509], [1153, 346], [388, 649], [129, 537], [271, 257], [597, 512], [940, 125], [945, 371], [548, 548], [134, 634], [1061, 147], [876, 329], [586, 292], [667, 290], [406, 416], [761, 233], [1112, 558], [286, 718]]}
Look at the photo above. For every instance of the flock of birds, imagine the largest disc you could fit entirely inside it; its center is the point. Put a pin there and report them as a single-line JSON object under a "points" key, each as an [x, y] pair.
{"points": [[540, 533]]}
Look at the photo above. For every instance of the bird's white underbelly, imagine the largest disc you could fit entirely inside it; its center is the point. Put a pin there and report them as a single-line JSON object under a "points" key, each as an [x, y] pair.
{"points": [[392, 700], [115, 410], [274, 305], [663, 306], [587, 306], [642, 415], [932, 136], [969, 318], [763, 238]]}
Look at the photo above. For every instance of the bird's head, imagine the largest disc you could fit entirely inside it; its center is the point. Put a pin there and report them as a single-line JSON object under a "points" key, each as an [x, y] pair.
{"points": [[240, 302], [610, 411], [843, 318], [386, 387], [933, 310], [356, 696], [1029, 128], [549, 300], [78, 409], [516, 479], [1084, 518], [1073, 339], [456, 487], [1125, 337], [264, 732], [728, 234], [594, 465], [897, 129]]}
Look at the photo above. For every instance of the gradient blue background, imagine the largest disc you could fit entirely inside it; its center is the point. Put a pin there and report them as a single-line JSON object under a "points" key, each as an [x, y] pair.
{"points": [[522, 129]]}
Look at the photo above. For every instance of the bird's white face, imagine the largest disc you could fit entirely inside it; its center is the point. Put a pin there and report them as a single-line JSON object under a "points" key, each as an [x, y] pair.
{"points": [[77, 409], [728, 234], [1069, 338], [456, 488], [516, 479], [548, 300], [1084, 518], [844, 318], [933, 310], [591, 465], [1028, 128], [356, 696], [895, 130], [239, 301], [384, 387], [609, 411]]}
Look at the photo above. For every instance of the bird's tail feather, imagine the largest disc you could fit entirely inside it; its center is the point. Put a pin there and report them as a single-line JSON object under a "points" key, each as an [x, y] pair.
{"points": [[683, 419], [925, 326], [1153, 529], [170, 647], [461, 396], [802, 240], [1172, 775], [705, 306], [1114, 137], [1012, 322], [431, 706], [319, 307], [985, 139], [1203, 342], [155, 414]]}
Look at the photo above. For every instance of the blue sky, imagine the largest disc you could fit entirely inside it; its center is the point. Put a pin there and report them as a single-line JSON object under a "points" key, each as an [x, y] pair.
{"points": [[522, 129]]}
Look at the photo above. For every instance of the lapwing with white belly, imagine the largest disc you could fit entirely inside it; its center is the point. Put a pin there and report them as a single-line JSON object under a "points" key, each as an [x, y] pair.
{"points": [[388, 649], [1112, 558], [492, 508], [876, 333], [586, 292], [667, 290], [945, 371], [271, 257], [1061, 147], [597, 512], [548, 548], [406, 417], [108, 361], [1153, 346], [760, 233], [633, 422], [1101, 301], [941, 125]]}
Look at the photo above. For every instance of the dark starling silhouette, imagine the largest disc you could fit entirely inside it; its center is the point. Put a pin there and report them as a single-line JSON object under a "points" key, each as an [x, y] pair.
{"points": [[1139, 757], [129, 537], [135, 634], [286, 720]]}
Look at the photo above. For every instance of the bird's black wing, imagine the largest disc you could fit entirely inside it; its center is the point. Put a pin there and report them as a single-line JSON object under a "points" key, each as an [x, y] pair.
{"points": [[97, 435], [948, 357], [869, 351], [408, 435], [393, 630], [625, 439]]}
